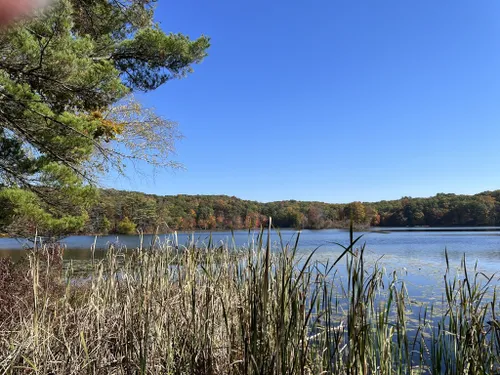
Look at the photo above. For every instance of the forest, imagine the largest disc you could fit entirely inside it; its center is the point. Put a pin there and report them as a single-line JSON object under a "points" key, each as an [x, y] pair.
{"points": [[127, 212]]}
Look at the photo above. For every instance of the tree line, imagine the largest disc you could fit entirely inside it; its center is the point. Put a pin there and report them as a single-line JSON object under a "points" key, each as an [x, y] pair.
{"points": [[127, 212]]}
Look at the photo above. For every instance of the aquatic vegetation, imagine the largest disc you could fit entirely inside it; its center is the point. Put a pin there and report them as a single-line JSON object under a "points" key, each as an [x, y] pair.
{"points": [[173, 309]]}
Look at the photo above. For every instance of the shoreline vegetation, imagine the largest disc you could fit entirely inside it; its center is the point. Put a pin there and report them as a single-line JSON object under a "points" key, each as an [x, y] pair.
{"points": [[125, 212], [256, 310]]}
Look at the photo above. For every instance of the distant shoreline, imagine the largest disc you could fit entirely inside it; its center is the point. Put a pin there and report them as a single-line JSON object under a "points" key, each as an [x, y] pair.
{"points": [[436, 229], [374, 229]]}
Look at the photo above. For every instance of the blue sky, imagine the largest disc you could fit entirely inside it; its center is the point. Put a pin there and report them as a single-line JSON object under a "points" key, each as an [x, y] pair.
{"points": [[333, 101]]}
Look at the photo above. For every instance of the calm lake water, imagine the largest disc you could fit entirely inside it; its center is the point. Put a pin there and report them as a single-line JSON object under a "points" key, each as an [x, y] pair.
{"points": [[403, 248]]}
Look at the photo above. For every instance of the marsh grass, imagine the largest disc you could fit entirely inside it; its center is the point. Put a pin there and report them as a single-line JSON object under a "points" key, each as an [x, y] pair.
{"points": [[170, 309]]}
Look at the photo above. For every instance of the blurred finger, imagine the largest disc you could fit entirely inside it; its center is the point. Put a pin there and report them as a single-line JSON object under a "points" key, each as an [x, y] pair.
{"points": [[12, 10]]}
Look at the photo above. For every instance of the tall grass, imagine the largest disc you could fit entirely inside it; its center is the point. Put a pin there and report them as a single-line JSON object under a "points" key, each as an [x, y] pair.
{"points": [[169, 309]]}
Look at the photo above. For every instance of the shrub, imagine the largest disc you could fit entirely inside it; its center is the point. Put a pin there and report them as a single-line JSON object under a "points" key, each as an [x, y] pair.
{"points": [[126, 226]]}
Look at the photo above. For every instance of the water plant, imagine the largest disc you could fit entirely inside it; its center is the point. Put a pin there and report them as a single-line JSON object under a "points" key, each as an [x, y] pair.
{"points": [[215, 309]]}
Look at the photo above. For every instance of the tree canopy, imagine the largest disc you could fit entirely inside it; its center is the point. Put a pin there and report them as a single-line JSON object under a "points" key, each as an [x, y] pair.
{"points": [[212, 212], [66, 110]]}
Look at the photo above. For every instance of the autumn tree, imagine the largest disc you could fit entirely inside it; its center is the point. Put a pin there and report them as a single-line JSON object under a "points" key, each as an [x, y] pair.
{"points": [[315, 217], [65, 111], [355, 211]]}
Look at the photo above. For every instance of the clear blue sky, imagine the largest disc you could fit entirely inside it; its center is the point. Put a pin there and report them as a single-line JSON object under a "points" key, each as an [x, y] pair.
{"points": [[334, 101]]}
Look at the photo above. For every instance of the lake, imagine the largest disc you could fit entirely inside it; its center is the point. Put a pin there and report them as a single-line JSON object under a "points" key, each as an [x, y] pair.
{"points": [[415, 256], [400, 248]]}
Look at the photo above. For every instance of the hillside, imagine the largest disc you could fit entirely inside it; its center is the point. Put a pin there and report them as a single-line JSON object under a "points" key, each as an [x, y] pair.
{"points": [[124, 211]]}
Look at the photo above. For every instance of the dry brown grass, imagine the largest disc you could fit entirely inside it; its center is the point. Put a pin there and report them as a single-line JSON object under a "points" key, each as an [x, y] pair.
{"points": [[207, 311]]}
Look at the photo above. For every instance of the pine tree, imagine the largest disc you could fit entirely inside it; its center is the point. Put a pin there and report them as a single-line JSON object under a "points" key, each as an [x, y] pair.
{"points": [[65, 110]]}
